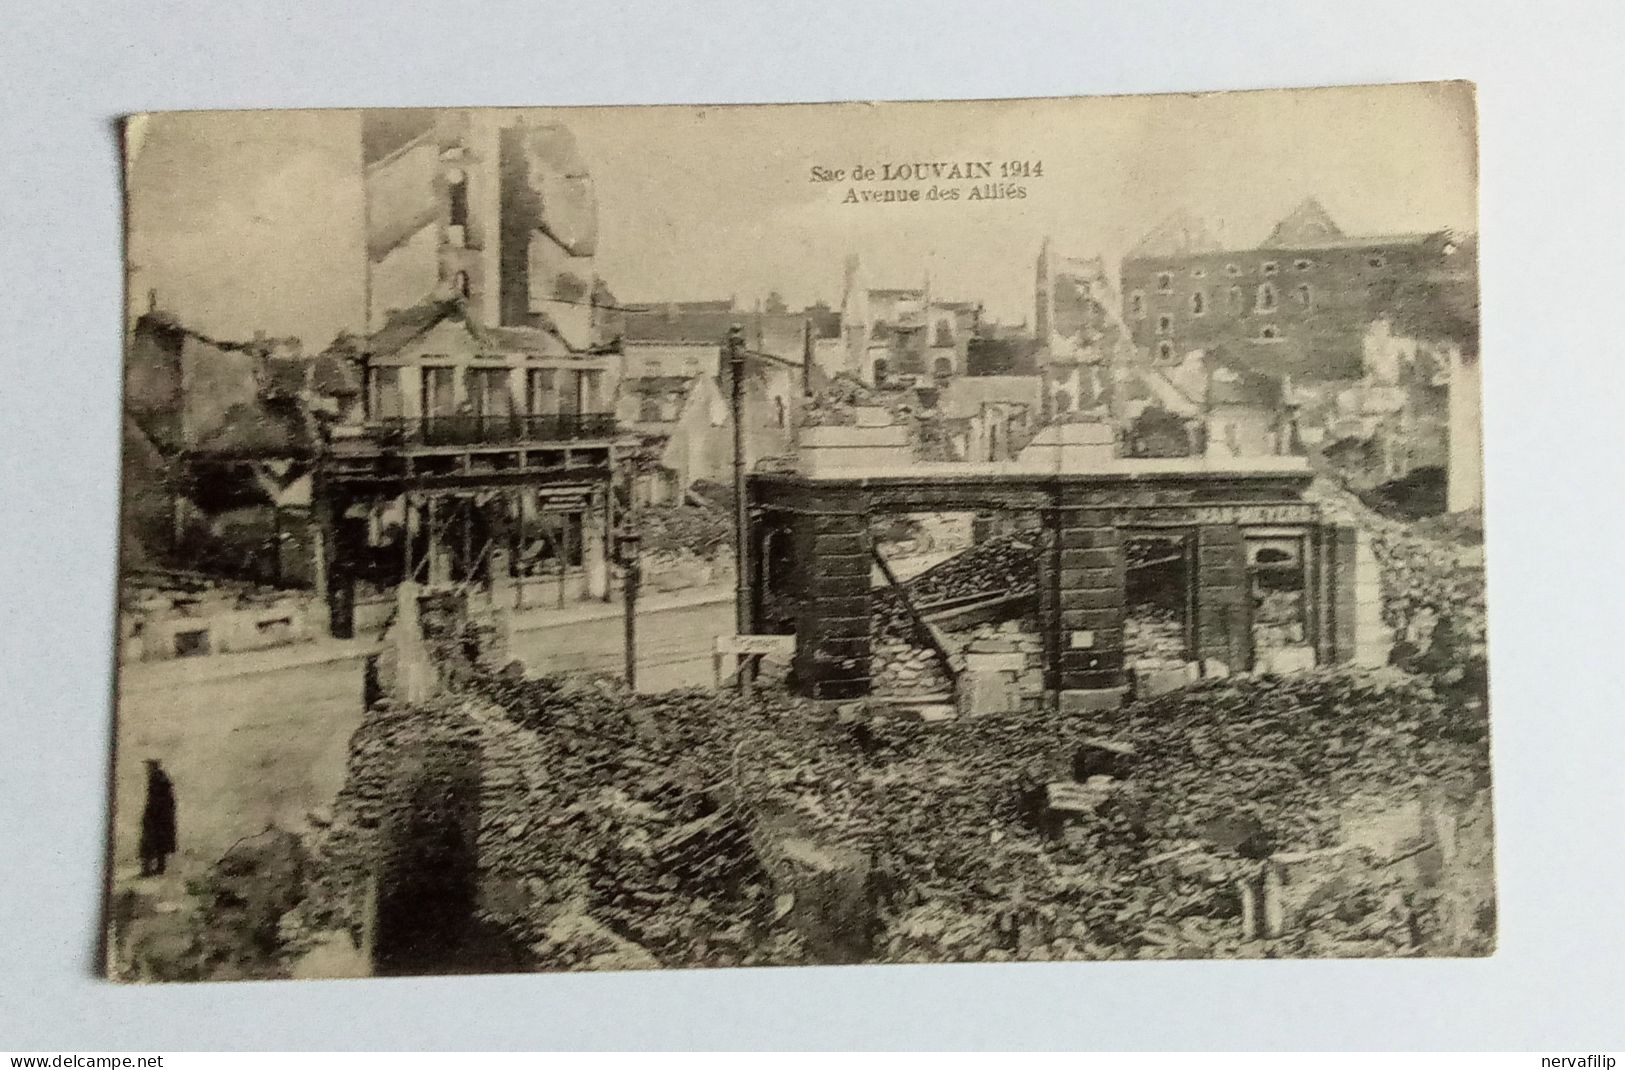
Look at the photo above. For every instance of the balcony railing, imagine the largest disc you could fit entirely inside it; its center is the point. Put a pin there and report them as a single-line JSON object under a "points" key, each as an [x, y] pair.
{"points": [[465, 430]]}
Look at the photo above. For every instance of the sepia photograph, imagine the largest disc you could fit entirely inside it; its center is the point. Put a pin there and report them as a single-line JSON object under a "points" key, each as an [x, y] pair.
{"points": [[671, 537]]}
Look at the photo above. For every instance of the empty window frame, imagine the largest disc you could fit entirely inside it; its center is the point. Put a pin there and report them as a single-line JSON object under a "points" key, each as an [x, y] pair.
{"points": [[1266, 298]]}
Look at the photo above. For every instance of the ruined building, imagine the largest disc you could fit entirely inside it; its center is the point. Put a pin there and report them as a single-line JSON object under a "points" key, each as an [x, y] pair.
{"points": [[1296, 304], [467, 438], [903, 335], [485, 449]]}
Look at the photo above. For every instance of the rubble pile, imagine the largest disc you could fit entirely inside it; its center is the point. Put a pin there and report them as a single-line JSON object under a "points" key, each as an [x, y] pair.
{"points": [[693, 529], [349, 844], [898, 667], [613, 831], [629, 818], [1017, 635], [619, 831], [962, 818], [1433, 590], [1002, 565], [1153, 637], [835, 404]]}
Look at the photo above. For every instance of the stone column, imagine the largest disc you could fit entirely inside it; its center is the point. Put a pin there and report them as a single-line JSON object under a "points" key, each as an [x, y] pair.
{"points": [[1092, 593], [832, 631], [1222, 621]]}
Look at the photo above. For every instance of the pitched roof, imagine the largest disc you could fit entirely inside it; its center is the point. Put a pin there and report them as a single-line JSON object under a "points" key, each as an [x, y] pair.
{"points": [[540, 341], [1306, 226], [405, 325], [408, 324], [1181, 234], [769, 334], [259, 429]]}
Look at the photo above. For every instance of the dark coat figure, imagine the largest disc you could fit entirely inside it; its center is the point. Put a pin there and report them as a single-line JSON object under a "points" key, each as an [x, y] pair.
{"points": [[157, 821]]}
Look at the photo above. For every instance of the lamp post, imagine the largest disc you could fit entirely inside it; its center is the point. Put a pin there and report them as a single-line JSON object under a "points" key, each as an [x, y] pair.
{"points": [[626, 549], [736, 376]]}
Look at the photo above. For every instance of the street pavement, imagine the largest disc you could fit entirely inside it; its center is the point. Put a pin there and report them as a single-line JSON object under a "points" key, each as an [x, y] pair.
{"points": [[267, 744], [261, 738]]}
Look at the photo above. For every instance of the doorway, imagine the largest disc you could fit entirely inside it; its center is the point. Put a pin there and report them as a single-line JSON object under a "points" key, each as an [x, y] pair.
{"points": [[1160, 604]]}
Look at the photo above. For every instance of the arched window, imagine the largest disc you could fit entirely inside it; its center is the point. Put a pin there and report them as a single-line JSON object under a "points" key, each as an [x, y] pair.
{"points": [[945, 336], [1305, 297], [1165, 282], [1165, 350], [459, 284], [1269, 334], [1063, 401], [1165, 323], [1136, 304], [943, 367], [881, 368], [1198, 303], [1266, 298]]}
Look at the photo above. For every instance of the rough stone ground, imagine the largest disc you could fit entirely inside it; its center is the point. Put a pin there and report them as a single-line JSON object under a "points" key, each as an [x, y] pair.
{"points": [[620, 833]]}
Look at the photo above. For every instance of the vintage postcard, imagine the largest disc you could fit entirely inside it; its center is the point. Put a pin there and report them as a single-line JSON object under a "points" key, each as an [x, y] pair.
{"points": [[645, 537]]}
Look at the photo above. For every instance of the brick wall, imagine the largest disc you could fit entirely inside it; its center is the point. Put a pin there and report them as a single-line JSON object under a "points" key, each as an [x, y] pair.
{"points": [[1320, 340], [833, 654], [1221, 611], [1091, 594]]}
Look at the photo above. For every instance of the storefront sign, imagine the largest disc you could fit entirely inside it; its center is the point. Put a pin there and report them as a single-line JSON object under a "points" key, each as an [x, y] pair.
{"points": [[1245, 515], [741, 645]]}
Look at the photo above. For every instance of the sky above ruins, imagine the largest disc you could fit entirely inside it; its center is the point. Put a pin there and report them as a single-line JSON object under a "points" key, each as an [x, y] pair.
{"points": [[252, 220]]}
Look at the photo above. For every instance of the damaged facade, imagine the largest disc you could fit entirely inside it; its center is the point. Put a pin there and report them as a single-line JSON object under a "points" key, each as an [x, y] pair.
{"points": [[1261, 580]]}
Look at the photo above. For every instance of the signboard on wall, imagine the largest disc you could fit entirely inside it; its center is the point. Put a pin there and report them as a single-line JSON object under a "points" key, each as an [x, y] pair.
{"points": [[1244, 515], [753, 645]]}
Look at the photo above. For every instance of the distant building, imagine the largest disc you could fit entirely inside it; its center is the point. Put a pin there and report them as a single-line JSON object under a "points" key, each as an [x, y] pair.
{"points": [[902, 336], [1297, 304], [687, 339], [220, 442], [684, 434], [479, 206], [1079, 331], [1202, 407], [996, 415]]}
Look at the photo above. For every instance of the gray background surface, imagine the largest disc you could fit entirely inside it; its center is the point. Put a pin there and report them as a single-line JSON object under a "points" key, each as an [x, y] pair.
{"points": [[1551, 109]]}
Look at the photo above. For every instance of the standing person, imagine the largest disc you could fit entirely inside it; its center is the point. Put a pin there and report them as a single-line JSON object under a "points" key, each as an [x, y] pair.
{"points": [[157, 821]]}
